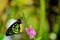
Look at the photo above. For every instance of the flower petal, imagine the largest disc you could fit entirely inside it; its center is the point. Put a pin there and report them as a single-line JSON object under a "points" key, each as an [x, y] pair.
{"points": [[27, 30], [30, 28]]}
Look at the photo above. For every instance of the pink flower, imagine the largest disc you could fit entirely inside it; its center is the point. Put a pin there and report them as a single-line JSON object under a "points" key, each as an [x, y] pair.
{"points": [[30, 31]]}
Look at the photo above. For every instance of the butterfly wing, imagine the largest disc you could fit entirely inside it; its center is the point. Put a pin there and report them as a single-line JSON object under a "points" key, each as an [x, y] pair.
{"points": [[14, 29], [9, 31]]}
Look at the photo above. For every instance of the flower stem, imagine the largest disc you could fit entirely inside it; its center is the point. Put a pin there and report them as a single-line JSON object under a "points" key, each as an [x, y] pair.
{"points": [[23, 16], [42, 17]]}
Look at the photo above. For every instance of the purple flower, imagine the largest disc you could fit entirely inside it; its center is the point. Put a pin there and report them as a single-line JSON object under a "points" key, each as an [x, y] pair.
{"points": [[30, 31]]}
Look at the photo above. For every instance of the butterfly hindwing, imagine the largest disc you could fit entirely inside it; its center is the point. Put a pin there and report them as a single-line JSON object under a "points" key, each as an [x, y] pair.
{"points": [[16, 28]]}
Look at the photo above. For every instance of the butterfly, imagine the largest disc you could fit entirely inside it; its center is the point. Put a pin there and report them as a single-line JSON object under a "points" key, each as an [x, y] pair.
{"points": [[15, 28]]}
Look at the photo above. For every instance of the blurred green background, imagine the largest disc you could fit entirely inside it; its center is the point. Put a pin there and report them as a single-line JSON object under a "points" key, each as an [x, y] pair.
{"points": [[43, 15]]}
